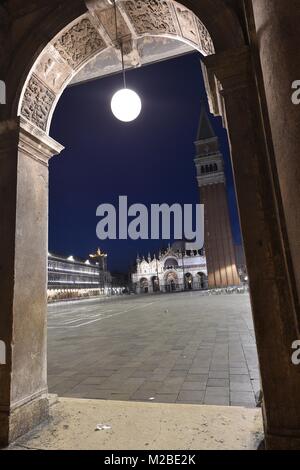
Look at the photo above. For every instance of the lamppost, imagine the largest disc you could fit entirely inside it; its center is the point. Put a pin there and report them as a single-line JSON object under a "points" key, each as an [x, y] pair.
{"points": [[158, 283], [182, 258], [101, 258]]}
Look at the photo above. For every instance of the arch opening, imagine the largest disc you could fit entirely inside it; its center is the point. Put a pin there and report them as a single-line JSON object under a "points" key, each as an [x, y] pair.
{"points": [[93, 34], [53, 72], [171, 263], [144, 285], [171, 281]]}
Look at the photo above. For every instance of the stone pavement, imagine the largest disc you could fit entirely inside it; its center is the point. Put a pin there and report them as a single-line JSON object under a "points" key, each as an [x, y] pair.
{"points": [[145, 426], [183, 348]]}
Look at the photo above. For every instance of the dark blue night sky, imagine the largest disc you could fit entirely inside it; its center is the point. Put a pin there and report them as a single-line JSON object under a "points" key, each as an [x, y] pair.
{"points": [[149, 160]]}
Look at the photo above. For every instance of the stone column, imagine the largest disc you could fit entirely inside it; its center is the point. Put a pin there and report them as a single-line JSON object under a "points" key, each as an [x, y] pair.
{"points": [[24, 156], [235, 95], [275, 32]]}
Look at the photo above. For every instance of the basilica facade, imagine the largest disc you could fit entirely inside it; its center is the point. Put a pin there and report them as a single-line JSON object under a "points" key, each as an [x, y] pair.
{"points": [[175, 269]]}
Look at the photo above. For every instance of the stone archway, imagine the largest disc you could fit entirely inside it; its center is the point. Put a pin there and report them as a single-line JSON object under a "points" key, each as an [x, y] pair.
{"points": [[54, 45], [188, 281], [93, 33], [144, 285], [202, 280], [216, 18], [155, 284], [171, 281]]}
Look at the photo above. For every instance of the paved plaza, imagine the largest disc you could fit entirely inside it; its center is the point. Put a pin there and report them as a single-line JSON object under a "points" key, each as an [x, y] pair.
{"points": [[172, 348]]}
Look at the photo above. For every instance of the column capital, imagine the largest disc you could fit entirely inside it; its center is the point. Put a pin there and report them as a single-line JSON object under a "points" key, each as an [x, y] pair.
{"points": [[37, 144], [232, 68], [225, 73], [22, 135]]}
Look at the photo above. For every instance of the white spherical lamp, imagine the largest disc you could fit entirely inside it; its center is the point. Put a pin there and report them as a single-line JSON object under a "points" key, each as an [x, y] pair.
{"points": [[126, 105]]}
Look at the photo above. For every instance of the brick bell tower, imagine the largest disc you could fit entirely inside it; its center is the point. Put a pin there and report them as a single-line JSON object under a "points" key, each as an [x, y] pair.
{"points": [[218, 242]]}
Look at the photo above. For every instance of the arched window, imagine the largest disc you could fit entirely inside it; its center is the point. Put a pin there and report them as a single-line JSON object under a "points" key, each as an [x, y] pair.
{"points": [[171, 263], [188, 281], [203, 280], [144, 285]]}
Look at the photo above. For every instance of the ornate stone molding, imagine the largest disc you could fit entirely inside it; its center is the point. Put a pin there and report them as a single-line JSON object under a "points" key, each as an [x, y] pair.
{"points": [[167, 17], [52, 70], [37, 102], [151, 17], [193, 30], [79, 43], [55, 67], [107, 20], [104, 20], [187, 23], [205, 42], [85, 38]]}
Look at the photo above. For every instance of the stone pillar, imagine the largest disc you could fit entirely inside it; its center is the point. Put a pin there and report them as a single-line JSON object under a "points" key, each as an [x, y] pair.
{"points": [[235, 95], [24, 155], [276, 33]]}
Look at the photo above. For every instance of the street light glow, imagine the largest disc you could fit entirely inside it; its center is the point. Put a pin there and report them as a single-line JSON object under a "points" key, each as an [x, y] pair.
{"points": [[126, 105]]}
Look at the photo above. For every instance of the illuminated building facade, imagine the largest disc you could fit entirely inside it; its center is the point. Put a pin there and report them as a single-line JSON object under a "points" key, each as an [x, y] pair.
{"points": [[176, 269], [70, 278]]}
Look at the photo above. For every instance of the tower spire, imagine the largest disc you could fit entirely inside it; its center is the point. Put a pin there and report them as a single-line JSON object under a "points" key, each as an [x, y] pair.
{"points": [[205, 129]]}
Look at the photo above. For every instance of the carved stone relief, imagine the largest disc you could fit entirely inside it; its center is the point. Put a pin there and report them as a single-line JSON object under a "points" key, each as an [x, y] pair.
{"points": [[107, 19], [187, 23], [206, 44], [52, 69], [79, 43], [37, 102], [152, 17], [91, 34]]}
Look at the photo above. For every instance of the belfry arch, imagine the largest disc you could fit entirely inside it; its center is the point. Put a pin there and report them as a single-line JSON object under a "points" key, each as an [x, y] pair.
{"points": [[56, 42]]}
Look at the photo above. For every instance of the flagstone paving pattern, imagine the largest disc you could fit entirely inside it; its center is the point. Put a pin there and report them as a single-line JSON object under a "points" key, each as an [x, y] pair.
{"points": [[173, 348]]}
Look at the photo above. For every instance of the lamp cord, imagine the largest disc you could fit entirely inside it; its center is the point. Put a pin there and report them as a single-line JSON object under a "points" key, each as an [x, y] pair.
{"points": [[120, 42]]}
